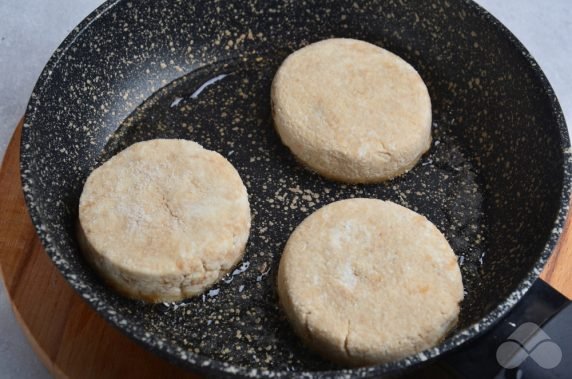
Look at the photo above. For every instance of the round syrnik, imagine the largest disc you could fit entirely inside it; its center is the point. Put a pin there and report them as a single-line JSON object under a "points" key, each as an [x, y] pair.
{"points": [[366, 281], [164, 219], [352, 111]]}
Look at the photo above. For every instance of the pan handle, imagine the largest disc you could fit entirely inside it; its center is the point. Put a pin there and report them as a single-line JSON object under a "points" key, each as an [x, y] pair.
{"points": [[534, 340]]}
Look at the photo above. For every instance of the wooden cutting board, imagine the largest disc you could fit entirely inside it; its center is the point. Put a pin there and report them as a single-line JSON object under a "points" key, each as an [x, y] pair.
{"points": [[70, 338]]}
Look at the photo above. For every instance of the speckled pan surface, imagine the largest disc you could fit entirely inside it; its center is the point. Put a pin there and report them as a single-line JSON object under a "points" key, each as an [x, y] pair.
{"points": [[496, 180]]}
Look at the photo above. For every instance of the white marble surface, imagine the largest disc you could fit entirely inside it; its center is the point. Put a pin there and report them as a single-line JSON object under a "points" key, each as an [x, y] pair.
{"points": [[31, 29]]}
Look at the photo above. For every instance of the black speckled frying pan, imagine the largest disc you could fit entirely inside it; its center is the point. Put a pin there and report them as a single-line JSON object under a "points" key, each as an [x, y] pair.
{"points": [[496, 180]]}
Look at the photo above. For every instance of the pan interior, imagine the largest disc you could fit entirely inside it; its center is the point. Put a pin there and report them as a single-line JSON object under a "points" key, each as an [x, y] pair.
{"points": [[491, 181], [225, 107]]}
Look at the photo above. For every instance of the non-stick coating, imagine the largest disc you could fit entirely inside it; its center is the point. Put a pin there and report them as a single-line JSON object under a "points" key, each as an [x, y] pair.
{"points": [[496, 180]]}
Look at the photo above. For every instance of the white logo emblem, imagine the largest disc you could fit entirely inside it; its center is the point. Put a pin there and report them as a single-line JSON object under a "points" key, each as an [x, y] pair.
{"points": [[529, 340]]}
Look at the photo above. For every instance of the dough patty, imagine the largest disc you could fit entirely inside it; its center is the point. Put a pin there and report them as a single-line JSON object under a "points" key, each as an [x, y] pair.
{"points": [[366, 281], [163, 220], [352, 111]]}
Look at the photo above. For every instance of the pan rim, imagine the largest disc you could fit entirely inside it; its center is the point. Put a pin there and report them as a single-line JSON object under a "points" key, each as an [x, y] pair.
{"points": [[208, 365]]}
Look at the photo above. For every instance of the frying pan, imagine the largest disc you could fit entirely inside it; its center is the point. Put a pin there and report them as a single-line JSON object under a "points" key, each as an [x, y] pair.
{"points": [[496, 180]]}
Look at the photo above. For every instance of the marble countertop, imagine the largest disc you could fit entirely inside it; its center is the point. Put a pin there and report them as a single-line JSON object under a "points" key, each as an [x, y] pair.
{"points": [[31, 29]]}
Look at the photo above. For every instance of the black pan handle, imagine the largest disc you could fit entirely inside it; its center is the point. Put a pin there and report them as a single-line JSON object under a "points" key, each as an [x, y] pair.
{"points": [[534, 340]]}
